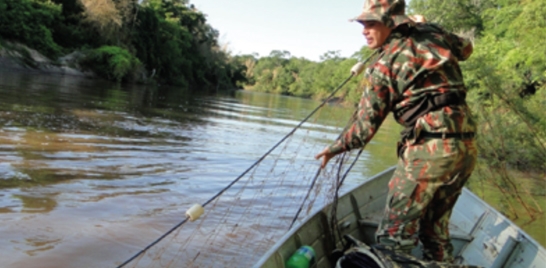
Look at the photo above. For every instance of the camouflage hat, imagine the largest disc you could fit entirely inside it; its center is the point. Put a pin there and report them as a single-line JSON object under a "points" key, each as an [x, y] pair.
{"points": [[390, 12]]}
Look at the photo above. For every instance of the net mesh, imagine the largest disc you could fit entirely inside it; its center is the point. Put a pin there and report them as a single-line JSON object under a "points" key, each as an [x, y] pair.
{"points": [[247, 219]]}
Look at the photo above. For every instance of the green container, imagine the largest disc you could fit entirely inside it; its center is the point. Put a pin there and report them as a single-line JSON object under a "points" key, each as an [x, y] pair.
{"points": [[303, 258]]}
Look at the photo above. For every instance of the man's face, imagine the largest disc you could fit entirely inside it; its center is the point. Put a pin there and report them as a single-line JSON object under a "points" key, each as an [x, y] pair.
{"points": [[375, 33]]}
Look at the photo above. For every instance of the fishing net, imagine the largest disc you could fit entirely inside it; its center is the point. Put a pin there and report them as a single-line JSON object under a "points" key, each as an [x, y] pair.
{"points": [[256, 209]]}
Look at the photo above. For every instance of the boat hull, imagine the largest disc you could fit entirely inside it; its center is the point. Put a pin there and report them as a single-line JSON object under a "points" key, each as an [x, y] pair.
{"points": [[481, 236]]}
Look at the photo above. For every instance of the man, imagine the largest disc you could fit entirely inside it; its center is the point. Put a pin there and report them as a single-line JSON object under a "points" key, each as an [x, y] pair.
{"points": [[416, 76]]}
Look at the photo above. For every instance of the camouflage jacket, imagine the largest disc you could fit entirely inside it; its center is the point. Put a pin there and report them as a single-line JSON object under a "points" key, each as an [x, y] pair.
{"points": [[421, 62]]}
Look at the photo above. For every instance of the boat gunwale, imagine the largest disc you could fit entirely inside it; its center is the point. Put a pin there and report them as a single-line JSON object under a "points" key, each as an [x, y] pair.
{"points": [[521, 234], [297, 228]]}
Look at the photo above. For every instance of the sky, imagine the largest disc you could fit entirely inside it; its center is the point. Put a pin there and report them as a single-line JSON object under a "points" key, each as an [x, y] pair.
{"points": [[305, 28]]}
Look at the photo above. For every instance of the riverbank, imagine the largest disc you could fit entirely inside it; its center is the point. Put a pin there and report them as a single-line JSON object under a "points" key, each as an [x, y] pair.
{"points": [[15, 56]]}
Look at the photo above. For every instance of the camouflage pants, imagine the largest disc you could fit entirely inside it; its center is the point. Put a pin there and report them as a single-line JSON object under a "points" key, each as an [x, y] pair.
{"points": [[428, 180]]}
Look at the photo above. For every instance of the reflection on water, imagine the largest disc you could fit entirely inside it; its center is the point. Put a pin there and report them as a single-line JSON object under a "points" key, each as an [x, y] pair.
{"points": [[40, 243], [85, 165], [36, 204]]}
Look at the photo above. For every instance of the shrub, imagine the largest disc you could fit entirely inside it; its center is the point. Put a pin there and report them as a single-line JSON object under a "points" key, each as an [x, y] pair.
{"points": [[30, 22], [111, 62]]}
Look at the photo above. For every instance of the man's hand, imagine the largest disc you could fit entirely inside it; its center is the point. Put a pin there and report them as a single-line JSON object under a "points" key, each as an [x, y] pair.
{"points": [[326, 156]]}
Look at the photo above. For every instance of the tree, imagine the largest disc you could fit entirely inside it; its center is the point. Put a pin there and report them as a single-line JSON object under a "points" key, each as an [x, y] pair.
{"points": [[456, 15], [30, 22]]}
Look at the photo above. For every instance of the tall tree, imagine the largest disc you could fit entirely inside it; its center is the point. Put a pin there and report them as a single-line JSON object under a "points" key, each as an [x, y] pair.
{"points": [[455, 15]]}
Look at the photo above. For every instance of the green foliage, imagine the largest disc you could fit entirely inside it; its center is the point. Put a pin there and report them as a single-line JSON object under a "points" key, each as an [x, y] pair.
{"points": [[111, 62], [170, 38], [73, 32], [454, 15], [506, 79], [283, 74], [174, 43], [153, 38], [30, 22]]}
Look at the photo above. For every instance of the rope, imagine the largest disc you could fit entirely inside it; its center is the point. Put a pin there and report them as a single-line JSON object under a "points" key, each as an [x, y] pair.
{"points": [[244, 173], [254, 165], [315, 180], [318, 171], [153, 243], [305, 199], [336, 196], [279, 143]]}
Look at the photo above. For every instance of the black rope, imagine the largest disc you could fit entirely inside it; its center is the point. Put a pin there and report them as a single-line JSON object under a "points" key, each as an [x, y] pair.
{"points": [[252, 166], [245, 172], [153, 243], [318, 171], [305, 199], [280, 142], [333, 226], [336, 196]]}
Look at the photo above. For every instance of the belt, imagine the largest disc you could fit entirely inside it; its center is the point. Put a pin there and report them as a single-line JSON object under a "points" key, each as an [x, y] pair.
{"points": [[442, 135]]}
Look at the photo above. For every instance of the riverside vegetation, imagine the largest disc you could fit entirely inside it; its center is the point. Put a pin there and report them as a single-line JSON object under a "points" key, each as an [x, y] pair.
{"points": [[170, 42], [167, 41]]}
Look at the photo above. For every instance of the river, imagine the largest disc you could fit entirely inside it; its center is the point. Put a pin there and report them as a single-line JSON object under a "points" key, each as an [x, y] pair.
{"points": [[91, 172]]}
